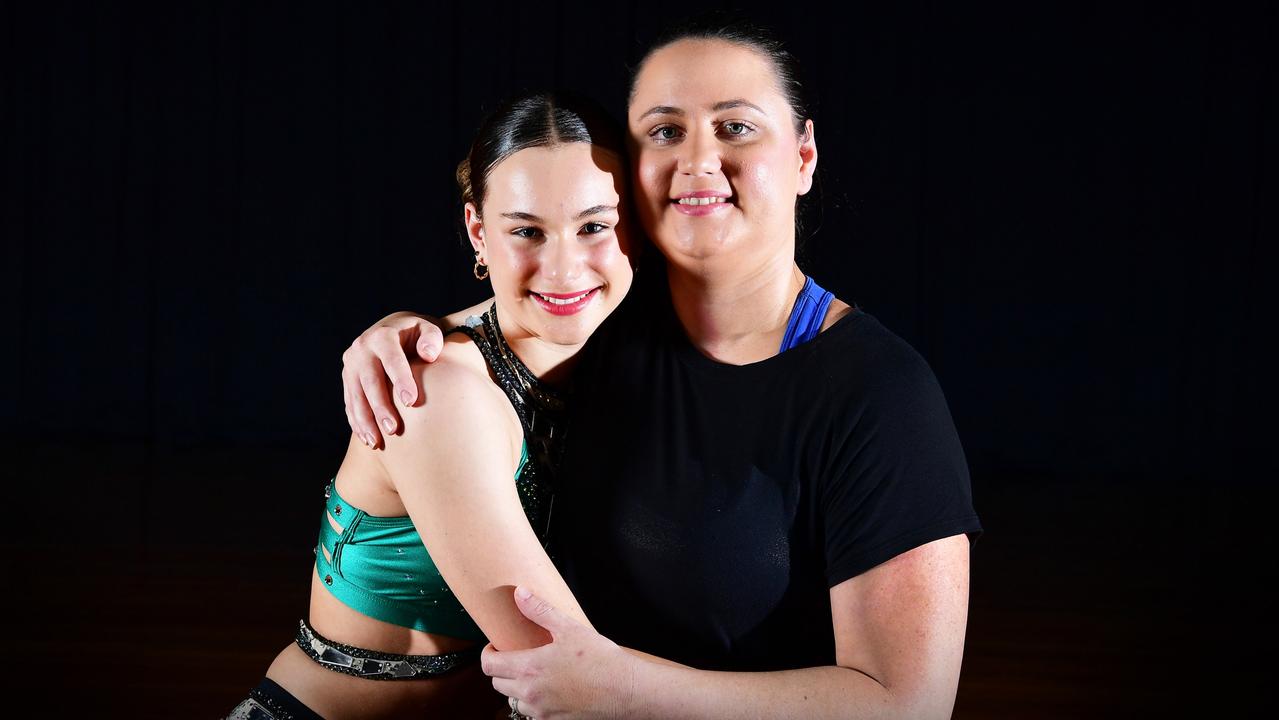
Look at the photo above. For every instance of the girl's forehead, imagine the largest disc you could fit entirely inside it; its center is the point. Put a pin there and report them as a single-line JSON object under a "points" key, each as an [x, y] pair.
{"points": [[570, 174]]}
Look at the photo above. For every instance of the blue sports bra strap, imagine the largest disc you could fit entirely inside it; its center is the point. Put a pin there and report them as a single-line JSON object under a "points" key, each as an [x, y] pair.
{"points": [[807, 316]]}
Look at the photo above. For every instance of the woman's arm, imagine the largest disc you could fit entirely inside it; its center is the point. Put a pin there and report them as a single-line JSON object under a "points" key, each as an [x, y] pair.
{"points": [[899, 638], [454, 470], [381, 354]]}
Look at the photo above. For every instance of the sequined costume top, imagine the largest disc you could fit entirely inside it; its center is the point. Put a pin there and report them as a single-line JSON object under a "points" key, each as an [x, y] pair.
{"points": [[379, 565]]}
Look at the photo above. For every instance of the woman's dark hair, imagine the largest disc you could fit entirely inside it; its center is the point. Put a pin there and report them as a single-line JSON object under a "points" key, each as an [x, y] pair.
{"points": [[719, 25], [542, 119]]}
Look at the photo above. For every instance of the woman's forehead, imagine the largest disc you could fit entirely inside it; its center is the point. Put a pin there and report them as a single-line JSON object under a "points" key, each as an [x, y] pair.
{"points": [[689, 74]]}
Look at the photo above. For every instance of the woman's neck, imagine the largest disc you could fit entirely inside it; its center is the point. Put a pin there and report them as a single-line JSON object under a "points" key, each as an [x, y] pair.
{"points": [[736, 318]]}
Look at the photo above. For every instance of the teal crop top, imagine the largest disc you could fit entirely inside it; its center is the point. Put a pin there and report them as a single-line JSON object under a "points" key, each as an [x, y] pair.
{"points": [[379, 565], [380, 568]]}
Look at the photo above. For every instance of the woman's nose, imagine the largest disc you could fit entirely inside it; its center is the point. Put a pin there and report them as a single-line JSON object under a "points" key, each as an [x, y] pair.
{"points": [[700, 154]]}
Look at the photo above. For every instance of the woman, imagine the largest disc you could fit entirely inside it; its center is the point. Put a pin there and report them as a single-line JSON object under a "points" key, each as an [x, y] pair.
{"points": [[543, 213], [758, 482]]}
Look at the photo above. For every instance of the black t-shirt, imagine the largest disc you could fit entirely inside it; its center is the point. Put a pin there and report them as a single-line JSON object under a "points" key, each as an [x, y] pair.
{"points": [[705, 510]]}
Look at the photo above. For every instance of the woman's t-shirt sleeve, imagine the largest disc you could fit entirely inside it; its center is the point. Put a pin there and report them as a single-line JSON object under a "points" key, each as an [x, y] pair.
{"points": [[897, 477]]}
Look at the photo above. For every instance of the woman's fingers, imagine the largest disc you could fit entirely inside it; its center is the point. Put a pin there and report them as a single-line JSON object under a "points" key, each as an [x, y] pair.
{"points": [[506, 686], [376, 374], [391, 349], [378, 394], [358, 413], [430, 341]]}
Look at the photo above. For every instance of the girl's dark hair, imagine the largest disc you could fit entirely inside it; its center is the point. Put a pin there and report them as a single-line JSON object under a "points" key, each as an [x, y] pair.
{"points": [[541, 119], [719, 25]]}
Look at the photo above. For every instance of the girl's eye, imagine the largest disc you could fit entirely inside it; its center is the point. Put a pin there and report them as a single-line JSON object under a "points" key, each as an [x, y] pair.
{"points": [[736, 128], [526, 232], [594, 228]]}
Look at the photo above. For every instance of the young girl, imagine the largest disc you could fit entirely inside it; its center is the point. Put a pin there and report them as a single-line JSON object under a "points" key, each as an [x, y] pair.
{"points": [[423, 540]]}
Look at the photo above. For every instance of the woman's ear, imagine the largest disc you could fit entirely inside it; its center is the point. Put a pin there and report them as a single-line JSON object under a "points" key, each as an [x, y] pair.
{"points": [[474, 230], [807, 158]]}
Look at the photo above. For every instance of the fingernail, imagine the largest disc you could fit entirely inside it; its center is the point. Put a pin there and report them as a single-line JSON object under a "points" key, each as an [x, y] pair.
{"points": [[368, 439], [406, 398], [522, 594], [386, 423]]}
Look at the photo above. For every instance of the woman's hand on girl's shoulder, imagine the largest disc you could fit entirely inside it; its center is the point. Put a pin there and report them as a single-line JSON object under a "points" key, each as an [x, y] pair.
{"points": [[379, 354]]}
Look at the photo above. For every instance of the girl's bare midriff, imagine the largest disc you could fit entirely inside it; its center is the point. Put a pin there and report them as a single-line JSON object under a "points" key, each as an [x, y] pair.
{"points": [[463, 693]]}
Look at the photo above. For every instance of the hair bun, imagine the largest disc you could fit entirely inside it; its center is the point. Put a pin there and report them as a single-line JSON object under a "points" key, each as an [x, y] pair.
{"points": [[464, 180]]}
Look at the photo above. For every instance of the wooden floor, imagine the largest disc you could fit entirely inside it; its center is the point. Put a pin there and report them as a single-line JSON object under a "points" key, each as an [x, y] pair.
{"points": [[1079, 610]]}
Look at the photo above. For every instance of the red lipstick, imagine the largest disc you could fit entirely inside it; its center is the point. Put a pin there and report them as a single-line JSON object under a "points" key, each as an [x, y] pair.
{"points": [[576, 301]]}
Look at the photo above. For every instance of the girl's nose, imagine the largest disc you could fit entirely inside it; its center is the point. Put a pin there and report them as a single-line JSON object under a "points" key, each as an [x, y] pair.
{"points": [[563, 262]]}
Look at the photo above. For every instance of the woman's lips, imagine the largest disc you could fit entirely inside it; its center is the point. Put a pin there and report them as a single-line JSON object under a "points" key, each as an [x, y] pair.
{"points": [[564, 303], [701, 203]]}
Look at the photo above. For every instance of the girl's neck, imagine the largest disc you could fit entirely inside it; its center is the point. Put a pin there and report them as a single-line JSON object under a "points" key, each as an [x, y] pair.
{"points": [[736, 318], [549, 362]]}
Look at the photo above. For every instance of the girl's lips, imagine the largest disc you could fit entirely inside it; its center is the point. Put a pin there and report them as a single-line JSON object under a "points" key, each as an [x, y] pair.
{"points": [[564, 304]]}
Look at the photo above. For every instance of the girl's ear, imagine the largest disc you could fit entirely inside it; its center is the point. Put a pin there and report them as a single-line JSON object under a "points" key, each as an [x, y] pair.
{"points": [[475, 230]]}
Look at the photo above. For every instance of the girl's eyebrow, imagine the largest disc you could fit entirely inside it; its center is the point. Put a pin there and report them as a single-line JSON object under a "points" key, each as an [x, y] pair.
{"points": [[530, 217], [717, 107], [595, 210], [526, 217]]}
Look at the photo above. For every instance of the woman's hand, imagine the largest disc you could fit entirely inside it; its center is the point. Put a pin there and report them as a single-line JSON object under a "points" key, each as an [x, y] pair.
{"points": [[378, 353], [580, 674]]}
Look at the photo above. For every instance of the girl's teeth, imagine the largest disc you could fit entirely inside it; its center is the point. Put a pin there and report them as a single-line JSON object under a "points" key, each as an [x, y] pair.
{"points": [[702, 201], [566, 301]]}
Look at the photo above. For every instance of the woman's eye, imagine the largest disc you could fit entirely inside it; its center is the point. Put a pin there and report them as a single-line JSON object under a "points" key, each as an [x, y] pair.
{"points": [[736, 128], [594, 228], [526, 232], [664, 133]]}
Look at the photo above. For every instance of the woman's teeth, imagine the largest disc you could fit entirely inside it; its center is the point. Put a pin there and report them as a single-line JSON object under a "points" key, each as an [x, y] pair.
{"points": [[563, 301], [701, 201]]}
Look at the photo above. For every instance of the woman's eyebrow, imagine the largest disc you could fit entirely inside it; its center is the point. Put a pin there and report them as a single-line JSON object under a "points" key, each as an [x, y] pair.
{"points": [[717, 107], [736, 103], [661, 110]]}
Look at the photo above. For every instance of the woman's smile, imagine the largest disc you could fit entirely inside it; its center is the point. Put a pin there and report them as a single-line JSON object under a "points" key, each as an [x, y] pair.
{"points": [[702, 202]]}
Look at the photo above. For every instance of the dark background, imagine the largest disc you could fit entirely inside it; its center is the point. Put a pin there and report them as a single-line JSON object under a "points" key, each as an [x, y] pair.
{"points": [[1068, 208]]}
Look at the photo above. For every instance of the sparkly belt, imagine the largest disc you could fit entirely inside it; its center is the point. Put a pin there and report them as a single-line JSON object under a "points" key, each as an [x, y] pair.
{"points": [[376, 665]]}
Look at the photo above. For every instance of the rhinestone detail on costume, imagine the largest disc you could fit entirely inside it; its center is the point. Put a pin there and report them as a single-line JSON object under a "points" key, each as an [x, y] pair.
{"points": [[541, 412], [373, 665]]}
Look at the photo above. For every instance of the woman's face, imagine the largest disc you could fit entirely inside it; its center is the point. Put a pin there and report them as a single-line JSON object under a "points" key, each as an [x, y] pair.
{"points": [[555, 245], [717, 158]]}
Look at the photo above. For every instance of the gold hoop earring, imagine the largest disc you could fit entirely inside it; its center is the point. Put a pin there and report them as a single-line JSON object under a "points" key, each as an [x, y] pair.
{"points": [[476, 270]]}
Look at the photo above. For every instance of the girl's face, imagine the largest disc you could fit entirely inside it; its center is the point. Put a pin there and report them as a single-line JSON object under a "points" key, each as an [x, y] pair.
{"points": [[717, 158], [556, 247]]}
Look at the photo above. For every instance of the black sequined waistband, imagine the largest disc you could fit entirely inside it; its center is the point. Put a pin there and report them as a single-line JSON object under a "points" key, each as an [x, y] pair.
{"points": [[378, 665]]}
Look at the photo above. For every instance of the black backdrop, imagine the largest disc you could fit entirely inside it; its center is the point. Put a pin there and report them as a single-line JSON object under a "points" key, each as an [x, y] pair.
{"points": [[1068, 208]]}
